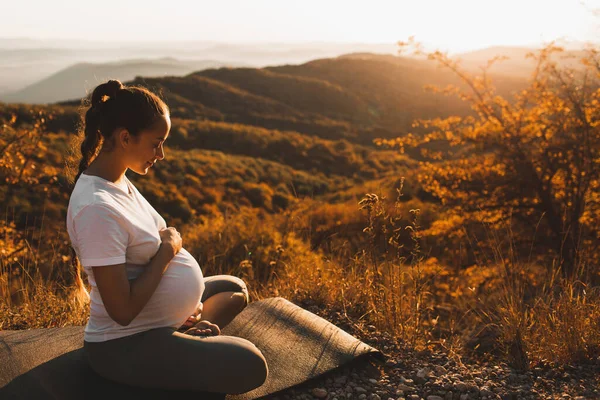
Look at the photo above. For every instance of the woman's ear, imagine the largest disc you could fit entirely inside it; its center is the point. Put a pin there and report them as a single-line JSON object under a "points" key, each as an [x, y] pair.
{"points": [[124, 138]]}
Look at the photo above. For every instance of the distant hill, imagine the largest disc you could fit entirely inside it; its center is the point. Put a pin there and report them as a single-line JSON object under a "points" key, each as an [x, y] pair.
{"points": [[356, 97], [25, 61], [334, 98], [74, 82], [20, 67]]}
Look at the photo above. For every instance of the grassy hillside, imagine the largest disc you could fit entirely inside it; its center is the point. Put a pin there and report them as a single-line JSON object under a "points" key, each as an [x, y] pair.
{"points": [[308, 153], [298, 130], [307, 94], [272, 175], [355, 97]]}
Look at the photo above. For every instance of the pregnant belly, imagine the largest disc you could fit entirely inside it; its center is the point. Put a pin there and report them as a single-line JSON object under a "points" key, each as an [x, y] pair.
{"points": [[179, 292]]}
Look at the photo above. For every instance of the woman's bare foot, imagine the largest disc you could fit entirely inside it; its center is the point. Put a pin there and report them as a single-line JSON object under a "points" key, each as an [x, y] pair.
{"points": [[204, 328]]}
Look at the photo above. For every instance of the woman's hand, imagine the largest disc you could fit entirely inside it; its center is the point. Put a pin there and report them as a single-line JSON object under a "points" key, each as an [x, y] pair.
{"points": [[204, 328], [170, 237], [192, 319]]}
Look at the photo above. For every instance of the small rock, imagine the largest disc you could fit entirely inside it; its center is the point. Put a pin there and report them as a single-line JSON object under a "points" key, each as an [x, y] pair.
{"points": [[359, 389], [373, 381], [439, 370], [471, 387], [374, 396], [390, 363], [420, 381], [362, 396], [423, 373], [461, 386], [341, 379], [319, 393], [433, 397], [405, 388]]}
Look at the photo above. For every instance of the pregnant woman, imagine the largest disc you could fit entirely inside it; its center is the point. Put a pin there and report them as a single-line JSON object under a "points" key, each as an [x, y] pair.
{"points": [[155, 320]]}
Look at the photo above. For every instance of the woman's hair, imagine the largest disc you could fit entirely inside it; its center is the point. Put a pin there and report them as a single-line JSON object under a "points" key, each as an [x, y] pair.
{"points": [[110, 106]]}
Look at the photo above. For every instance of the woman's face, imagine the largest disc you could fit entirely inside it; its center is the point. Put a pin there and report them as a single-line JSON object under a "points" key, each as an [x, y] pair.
{"points": [[148, 146]]}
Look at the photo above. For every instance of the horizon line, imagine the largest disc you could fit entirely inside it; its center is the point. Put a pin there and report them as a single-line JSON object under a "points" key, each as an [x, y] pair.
{"points": [[130, 42]]}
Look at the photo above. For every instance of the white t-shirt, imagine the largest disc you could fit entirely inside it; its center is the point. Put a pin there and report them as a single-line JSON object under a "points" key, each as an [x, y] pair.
{"points": [[110, 224]]}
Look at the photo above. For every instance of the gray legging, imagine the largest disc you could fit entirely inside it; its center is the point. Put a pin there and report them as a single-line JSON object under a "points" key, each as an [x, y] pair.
{"points": [[168, 359]]}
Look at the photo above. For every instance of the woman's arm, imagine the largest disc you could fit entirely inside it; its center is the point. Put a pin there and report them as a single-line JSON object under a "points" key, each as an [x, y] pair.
{"points": [[124, 299]]}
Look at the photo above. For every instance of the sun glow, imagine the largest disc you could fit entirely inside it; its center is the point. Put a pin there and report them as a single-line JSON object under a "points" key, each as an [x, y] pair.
{"points": [[453, 25]]}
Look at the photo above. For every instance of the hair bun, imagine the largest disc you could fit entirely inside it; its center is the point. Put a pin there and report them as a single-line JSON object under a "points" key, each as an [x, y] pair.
{"points": [[106, 91]]}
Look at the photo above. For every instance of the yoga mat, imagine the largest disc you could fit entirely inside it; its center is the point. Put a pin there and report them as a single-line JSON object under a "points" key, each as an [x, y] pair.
{"points": [[297, 344]]}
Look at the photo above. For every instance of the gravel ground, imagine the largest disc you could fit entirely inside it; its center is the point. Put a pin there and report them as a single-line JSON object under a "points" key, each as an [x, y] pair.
{"points": [[433, 376]]}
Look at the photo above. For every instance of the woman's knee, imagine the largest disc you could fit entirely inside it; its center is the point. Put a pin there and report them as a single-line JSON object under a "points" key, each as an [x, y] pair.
{"points": [[240, 300], [260, 368], [253, 370], [241, 291], [225, 283], [254, 374], [243, 288]]}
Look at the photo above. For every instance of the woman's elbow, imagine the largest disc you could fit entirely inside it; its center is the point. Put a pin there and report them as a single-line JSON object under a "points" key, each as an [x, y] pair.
{"points": [[123, 322], [120, 319]]}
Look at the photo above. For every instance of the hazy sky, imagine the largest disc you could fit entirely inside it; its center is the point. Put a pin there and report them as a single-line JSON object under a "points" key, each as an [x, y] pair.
{"points": [[450, 24]]}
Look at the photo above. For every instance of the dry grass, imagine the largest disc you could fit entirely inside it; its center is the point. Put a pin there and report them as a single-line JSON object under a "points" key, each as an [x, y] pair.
{"points": [[387, 281]]}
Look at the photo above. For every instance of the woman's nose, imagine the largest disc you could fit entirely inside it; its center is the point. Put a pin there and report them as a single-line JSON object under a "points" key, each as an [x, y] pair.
{"points": [[160, 153]]}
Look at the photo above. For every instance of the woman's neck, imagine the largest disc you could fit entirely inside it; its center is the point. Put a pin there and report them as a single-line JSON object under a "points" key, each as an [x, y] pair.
{"points": [[107, 167]]}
